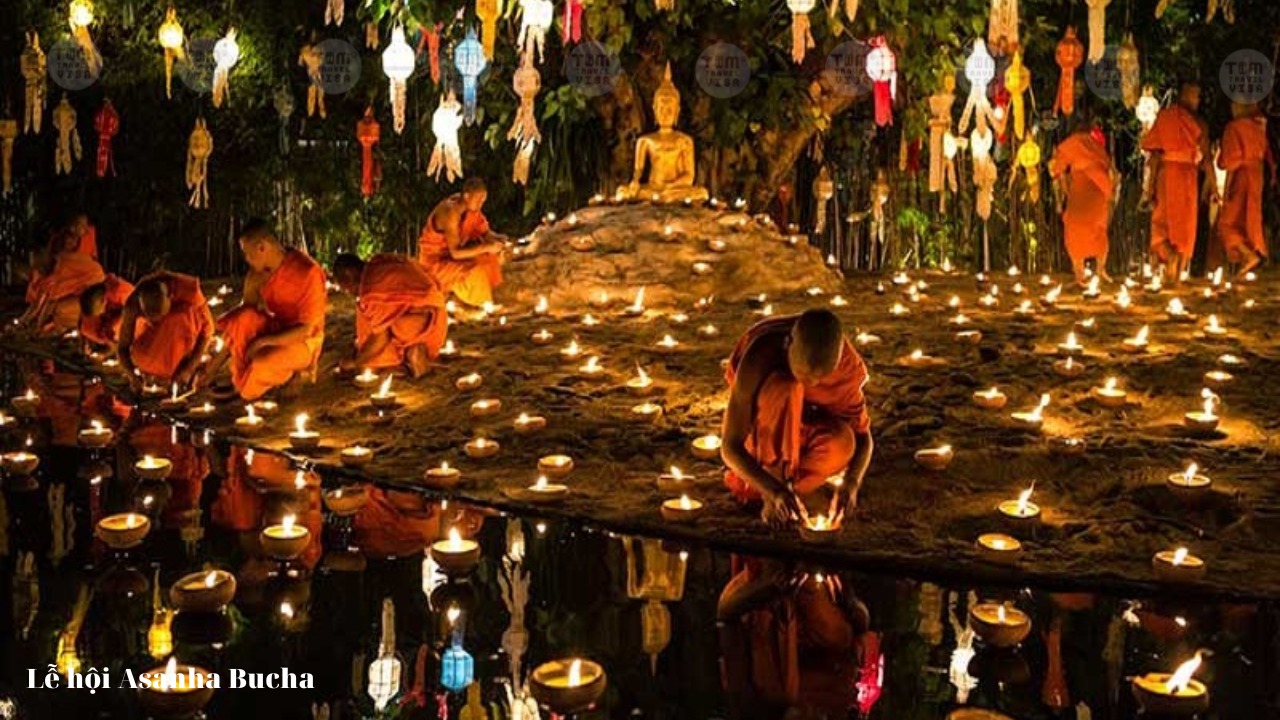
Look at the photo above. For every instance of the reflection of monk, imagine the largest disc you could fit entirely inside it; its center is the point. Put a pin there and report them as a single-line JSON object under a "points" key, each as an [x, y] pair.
{"points": [[54, 298], [796, 414], [278, 330], [259, 490], [458, 248], [1178, 145], [400, 315], [790, 643], [166, 328], [1244, 150], [1083, 167], [190, 467], [396, 523], [101, 310]]}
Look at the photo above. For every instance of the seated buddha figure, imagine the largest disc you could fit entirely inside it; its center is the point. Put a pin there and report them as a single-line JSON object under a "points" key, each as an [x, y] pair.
{"points": [[668, 154]]}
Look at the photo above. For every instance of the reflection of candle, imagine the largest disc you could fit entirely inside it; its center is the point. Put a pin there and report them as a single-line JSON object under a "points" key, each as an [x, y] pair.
{"points": [[455, 555], [1172, 695], [999, 625], [356, 456], [1022, 508], [470, 381], [285, 541], [646, 411], [96, 435], [123, 531], [999, 548], [442, 477], [208, 591], [1177, 565], [153, 468], [480, 448], [681, 510], [176, 690], [485, 407], [526, 423], [1205, 419], [384, 398], [1109, 395], [301, 438], [555, 466], [991, 399], [1035, 417], [706, 447], [203, 411]]}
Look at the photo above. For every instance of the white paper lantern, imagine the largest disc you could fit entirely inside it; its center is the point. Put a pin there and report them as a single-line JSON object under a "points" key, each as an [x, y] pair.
{"points": [[398, 64], [226, 53]]}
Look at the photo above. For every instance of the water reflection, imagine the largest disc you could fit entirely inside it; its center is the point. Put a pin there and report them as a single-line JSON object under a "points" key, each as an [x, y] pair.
{"points": [[364, 607]]}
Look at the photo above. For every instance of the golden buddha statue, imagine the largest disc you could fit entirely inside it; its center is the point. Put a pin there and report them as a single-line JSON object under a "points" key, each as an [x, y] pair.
{"points": [[668, 154]]}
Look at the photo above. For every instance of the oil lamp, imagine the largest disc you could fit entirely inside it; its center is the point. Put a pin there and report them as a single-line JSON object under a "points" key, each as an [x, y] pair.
{"points": [[1172, 695], [1177, 565], [285, 541], [555, 467], [1109, 395], [455, 555], [1021, 509], [999, 625], [301, 438]]}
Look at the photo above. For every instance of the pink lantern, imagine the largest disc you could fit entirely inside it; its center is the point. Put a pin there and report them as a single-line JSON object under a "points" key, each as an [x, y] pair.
{"points": [[882, 68]]}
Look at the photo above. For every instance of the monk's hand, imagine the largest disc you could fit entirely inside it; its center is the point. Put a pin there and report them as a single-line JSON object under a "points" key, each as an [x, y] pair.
{"points": [[780, 509]]}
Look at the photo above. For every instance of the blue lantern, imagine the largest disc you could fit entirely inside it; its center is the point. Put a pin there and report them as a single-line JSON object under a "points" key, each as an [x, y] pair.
{"points": [[469, 58], [457, 669]]}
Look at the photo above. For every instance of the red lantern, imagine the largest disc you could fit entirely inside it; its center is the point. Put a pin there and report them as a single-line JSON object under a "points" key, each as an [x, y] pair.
{"points": [[1070, 57], [368, 132], [107, 124], [882, 68], [571, 28]]}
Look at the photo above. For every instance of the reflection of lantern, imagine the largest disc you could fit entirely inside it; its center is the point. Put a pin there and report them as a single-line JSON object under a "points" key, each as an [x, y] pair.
{"points": [[1017, 80], [1130, 66], [160, 634], [384, 671], [1070, 55], [446, 157], [655, 631], [457, 668], [656, 574], [801, 37], [67, 659], [470, 60], [80, 17], [979, 70], [172, 38], [397, 63], [882, 68], [226, 53]]}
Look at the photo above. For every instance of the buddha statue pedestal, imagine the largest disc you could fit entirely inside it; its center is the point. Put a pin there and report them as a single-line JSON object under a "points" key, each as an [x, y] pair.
{"points": [[667, 154]]}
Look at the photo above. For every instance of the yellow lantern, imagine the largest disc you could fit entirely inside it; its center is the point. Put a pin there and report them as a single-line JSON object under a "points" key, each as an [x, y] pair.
{"points": [[68, 661], [160, 634], [172, 38], [1029, 156], [801, 37], [80, 17]]}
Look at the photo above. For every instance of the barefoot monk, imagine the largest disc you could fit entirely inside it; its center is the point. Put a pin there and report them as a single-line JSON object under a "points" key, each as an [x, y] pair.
{"points": [[459, 249], [1244, 151], [400, 316], [166, 328]]}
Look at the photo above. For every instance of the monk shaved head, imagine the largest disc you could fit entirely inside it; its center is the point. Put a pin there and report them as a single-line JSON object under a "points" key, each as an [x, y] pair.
{"points": [[153, 298], [259, 244], [347, 270], [1189, 94], [93, 301], [474, 193], [817, 340]]}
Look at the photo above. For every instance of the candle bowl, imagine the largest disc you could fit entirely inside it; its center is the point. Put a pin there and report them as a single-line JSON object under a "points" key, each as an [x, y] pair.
{"points": [[486, 408], [178, 702], [1218, 378], [346, 501], [555, 467], [549, 685], [284, 547], [706, 447], [985, 621], [381, 401], [1109, 398], [191, 593], [673, 484], [530, 424], [477, 451], [936, 459], [1189, 570], [1192, 488], [541, 338], [922, 361], [674, 512], [250, 427], [304, 441], [116, 532], [1063, 369], [19, 464], [24, 406], [173, 404], [156, 470], [646, 412], [1070, 351], [202, 412], [968, 337], [999, 549], [1183, 318], [1133, 347], [95, 438], [1027, 419], [1153, 696], [1010, 509], [356, 456], [454, 561], [550, 493], [366, 380], [1200, 423], [990, 402], [442, 478]]}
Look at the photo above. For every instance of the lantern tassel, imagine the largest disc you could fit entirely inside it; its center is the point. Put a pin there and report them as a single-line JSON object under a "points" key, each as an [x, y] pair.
{"points": [[801, 37], [35, 67], [1097, 29], [106, 123], [571, 27]]}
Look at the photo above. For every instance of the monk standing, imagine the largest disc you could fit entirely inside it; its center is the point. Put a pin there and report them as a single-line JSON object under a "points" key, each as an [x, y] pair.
{"points": [[1244, 150], [796, 415], [102, 309], [458, 248], [400, 315], [1178, 144], [1082, 166], [166, 328], [278, 330]]}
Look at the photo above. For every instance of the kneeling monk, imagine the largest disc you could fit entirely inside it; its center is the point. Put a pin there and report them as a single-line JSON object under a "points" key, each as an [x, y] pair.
{"points": [[102, 309], [459, 249], [400, 316], [166, 328], [54, 297], [278, 330], [796, 414]]}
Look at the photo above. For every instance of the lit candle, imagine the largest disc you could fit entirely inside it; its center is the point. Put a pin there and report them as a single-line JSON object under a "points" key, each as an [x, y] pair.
{"points": [[1123, 302], [1213, 328], [153, 468], [526, 423], [1050, 298], [1071, 347], [542, 307], [899, 310], [681, 510], [674, 480], [485, 407], [383, 399], [568, 686], [1093, 289], [285, 541], [1024, 311], [938, 458], [917, 359], [123, 531], [1172, 695], [959, 319], [20, 463], [442, 477], [176, 690], [152, 390], [544, 491], [455, 555], [480, 448], [999, 549], [968, 337], [1205, 419], [572, 350], [706, 447], [999, 625], [1109, 395], [267, 408], [819, 528], [901, 279], [646, 411], [203, 411], [356, 456], [541, 337], [25, 404], [250, 423], [667, 344], [449, 350], [717, 246], [1137, 343], [203, 592], [1087, 325], [864, 339], [838, 301], [589, 320], [991, 399], [641, 384], [1068, 368], [1022, 508], [591, 368], [1230, 360], [1178, 312], [1189, 481], [301, 438], [470, 381], [96, 435], [637, 306], [701, 268], [1177, 565], [708, 330], [555, 467], [991, 298]]}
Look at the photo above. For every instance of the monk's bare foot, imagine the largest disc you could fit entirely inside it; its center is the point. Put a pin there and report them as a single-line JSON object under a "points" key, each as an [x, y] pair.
{"points": [[417, 361], [1105, 277], [1249, 266]]}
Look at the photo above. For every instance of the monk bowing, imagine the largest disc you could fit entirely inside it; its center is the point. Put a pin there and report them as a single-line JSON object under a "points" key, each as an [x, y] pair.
{"points": [[277, 332], [1244, 150], [796, 416], [102, 309], [1178, 144], [458, 248], [53, 297], [1082, 167], [166, 328], [400, 315]]}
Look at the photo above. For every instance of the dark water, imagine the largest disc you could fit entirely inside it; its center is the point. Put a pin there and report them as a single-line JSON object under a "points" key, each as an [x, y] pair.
{"points": [[828, 642]]}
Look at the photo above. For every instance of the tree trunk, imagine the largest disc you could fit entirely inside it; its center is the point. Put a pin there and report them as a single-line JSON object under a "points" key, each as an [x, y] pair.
{"points": [[622, 114]]}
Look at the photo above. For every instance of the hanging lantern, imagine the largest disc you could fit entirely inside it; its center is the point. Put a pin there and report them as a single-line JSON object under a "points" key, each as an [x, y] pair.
{"points": [[106, 123], [1002, 27], [384, 671], [571, 26], [368, 132], [68, 147], [431, 36], [334, 12], [882, 68], [979, 70], [397, 64], [1070, 55], [940, 105], [199, 148], [801, 37], [469, 59], [1147, 108], [457, 668], [226, 53], [1029, 156], [446, 157], [1161, 7], [312, 58], [8, 134], [950, 148], [35, 68], [487, 11], [850, 9], [1000, 113], [985, 173], [1228, 8], [535, 20], [1129, 64], [371, 35], [524, 130], [80, 17], [823, 190], [1017, 80], [1097, 29], [172, 38]]}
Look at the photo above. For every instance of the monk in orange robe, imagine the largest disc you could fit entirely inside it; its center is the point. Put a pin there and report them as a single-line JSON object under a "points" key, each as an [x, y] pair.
{"points": [[79, 236], [278, 331], [54, 298], [400, 315], [1178, 146], [166, 329], [458, 248], [796, 415], [1244, 150], [1083, 168], [102, 309]]}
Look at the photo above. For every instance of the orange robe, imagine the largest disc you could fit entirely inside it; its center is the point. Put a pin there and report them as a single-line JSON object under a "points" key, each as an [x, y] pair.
{"points": [[471, 280], [1088, 185], [72, 274], [293, 295], [1244, 149], [399, 297], [801, 434], [1177, 136], [159, 348], [105, 328]]}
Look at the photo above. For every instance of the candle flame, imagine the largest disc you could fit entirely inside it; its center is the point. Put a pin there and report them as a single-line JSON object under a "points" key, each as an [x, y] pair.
{"points": [[253, 417], [1179, 556], [130, 521], [1141, 337], [1093, 284], [638, 304], [593, 364], [820, 522], [575, 673], [449, 348], [444, 465], [385, 388], [1001, 615], [642, 378], [1181, 677], [1210, 401], [300, 422], [1111, 384], [668, 341], [30, 395], [1024, 306], [1213, 324], [572, 350], [1217, 276], [992, 393], [542, 305], [455, 539], [1190, 473], [288, 522], [148, 460], [1052, 295], [676, 473], [1024, 498], [1122, 297], [955, 301], [299, 480], [1071, 340], [917, 354], [170, 678], [1176, 307], [453, 613], [685, 503], [96, 425], [210, 579], [540, 483], [174, 391]]}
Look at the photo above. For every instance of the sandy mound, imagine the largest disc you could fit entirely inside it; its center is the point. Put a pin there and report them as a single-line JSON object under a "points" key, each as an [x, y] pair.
{"points": [[677, 254]]}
